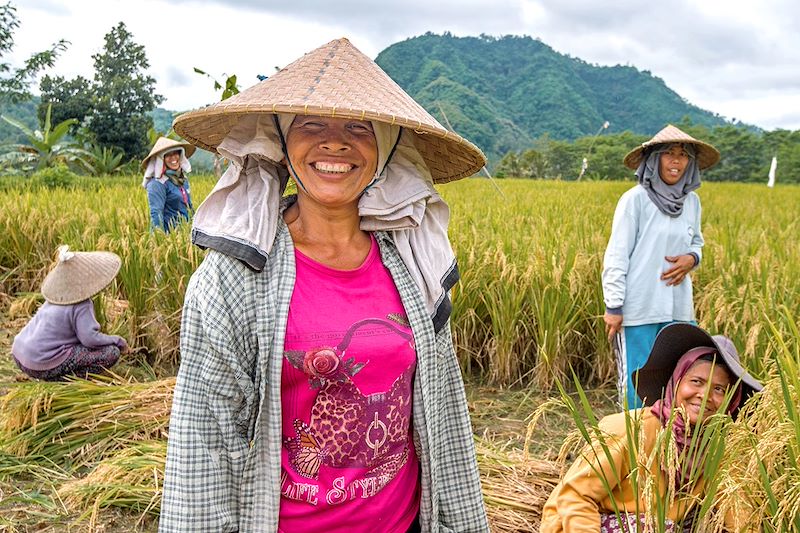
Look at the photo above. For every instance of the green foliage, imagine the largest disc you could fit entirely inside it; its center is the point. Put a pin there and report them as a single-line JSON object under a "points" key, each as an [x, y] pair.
{"points": [[24, 112], [745, 155], [228, 89], [44, 148], [115, 107], [104, 160], [54, 177], [14, 83], [503, 92], [68, 99], [124, 95]]}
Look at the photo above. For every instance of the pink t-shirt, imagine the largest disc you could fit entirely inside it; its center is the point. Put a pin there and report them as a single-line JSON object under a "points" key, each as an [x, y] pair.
{"points": [[348, 462]]}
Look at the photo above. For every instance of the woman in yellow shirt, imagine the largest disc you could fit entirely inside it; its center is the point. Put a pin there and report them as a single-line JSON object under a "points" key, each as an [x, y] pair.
{"points": [[646, 464]]}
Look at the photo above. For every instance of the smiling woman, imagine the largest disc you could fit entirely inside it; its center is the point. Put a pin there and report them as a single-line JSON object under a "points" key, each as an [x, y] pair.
{"points": [[655, 243], [318, 388], [166, 180], [645, 471], [333, 161]]}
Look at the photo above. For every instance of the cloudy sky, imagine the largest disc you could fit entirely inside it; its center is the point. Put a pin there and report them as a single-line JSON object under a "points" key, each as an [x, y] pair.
{"points": [[738, 58]]}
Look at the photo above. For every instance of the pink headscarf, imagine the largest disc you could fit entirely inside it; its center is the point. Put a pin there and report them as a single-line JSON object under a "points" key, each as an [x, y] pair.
{"points": [[663, 408]]}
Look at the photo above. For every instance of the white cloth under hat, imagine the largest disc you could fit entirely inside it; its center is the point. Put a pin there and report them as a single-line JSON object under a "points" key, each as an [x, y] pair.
{"points": [[243, 207]]}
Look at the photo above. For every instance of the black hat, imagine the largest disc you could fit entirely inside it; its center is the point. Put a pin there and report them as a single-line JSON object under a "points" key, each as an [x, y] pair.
{"points": [[671, 343]]}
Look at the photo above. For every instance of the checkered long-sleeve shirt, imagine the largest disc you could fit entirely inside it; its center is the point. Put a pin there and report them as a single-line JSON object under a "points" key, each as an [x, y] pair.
{"points": [[224, 455]]}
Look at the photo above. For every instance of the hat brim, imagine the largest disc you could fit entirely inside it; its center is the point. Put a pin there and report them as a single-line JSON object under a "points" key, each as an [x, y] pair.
{"points": [[85, 275], [707, 155], [671, 343], [188, 150], [448, 155]]}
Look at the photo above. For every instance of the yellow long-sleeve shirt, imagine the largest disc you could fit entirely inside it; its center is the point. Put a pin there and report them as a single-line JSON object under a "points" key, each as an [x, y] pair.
{"points": [[578, 500]]}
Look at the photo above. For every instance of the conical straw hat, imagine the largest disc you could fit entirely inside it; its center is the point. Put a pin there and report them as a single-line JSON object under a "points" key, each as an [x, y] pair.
{"points": [[707, 155], [78, 276], [165, 144], [337, 80]]}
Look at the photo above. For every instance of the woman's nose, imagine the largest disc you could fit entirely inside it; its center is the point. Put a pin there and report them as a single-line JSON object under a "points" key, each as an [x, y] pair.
{"points": [[335, 143]]}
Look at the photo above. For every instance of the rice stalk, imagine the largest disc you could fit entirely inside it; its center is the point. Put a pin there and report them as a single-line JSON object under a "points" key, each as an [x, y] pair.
{"points": [[131, 479]]}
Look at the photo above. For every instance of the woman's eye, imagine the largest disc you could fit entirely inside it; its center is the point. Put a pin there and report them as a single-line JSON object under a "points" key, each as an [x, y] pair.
{"points": [[360, 128]]}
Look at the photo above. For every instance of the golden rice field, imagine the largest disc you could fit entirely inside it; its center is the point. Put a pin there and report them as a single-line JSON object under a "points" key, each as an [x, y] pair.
{"points": [[528, 308], [530, 256]]}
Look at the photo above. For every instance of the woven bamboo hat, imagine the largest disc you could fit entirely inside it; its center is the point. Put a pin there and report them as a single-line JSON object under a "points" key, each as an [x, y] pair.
{"points": [[165, 144], [78, 276], [671, 343], [707, 155], [337, 80]]}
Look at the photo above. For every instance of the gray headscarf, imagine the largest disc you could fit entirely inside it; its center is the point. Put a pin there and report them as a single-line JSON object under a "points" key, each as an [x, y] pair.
{"points": [[668, 198]]}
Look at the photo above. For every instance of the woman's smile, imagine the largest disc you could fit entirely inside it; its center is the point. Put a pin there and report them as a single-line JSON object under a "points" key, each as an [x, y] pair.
{"points": [[334, 158]]}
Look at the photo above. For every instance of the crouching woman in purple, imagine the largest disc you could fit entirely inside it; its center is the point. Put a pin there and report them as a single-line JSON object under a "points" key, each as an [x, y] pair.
{"points": [[63, 337], [319, 389]]}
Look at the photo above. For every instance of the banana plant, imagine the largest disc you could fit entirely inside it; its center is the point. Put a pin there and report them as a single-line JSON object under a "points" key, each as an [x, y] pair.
{"points": [[46, 147]]}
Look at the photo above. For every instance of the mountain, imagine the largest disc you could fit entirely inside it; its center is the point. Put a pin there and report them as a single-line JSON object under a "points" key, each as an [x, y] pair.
{"points": [[503, 92], [24, 112]]}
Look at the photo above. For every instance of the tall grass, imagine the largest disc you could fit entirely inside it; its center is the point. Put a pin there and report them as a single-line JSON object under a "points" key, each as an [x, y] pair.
{"points": [[529, 304], [111, 215], [81, 421], [760, 472]]}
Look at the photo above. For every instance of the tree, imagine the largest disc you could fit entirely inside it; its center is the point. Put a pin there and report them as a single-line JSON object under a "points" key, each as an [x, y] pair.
{"points": [[66, 99], [15, 83], [124, 95]]}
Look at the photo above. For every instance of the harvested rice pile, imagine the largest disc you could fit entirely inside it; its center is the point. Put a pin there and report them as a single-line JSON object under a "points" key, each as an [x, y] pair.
{"points": [[115, 431], [515, 487]]}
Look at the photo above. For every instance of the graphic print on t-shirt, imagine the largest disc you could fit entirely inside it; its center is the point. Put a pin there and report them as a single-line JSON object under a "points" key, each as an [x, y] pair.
{"points": [[349, 429]]}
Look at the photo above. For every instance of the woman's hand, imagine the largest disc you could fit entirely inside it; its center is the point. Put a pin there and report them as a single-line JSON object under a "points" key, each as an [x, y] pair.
{"points": [[681, 265], [613, 324]]}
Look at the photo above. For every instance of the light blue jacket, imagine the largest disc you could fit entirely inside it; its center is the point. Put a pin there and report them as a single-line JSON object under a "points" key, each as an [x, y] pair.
{"points": [[641, 236]]}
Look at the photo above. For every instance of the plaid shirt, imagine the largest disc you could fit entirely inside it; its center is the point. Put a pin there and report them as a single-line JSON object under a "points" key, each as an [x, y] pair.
{"points": [[224, 456]]}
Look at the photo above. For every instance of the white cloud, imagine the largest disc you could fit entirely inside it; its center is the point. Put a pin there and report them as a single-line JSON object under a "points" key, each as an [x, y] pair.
{"points": [[732, 57]]}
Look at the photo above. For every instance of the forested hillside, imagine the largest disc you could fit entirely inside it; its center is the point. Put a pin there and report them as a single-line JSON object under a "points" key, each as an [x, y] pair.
{"points": [[535, 112], [502, 93]]}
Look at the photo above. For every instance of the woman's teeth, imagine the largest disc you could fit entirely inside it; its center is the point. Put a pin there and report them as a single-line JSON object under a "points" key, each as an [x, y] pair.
{"points": [[340, 168]]}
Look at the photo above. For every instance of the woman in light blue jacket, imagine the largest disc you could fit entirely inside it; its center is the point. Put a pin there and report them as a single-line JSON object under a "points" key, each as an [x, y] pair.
{"points": [[655, 242]]}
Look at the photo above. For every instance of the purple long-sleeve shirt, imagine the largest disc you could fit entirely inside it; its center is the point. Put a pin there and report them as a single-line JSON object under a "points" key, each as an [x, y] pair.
{"points": [[46, 341]]}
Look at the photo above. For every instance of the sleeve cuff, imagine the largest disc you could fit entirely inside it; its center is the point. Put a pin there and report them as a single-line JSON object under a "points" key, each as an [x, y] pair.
{"points": [[614, 310]]}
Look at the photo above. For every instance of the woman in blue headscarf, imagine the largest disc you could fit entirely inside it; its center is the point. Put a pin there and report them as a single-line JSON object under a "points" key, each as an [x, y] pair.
{"points": [[655, 243]]}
